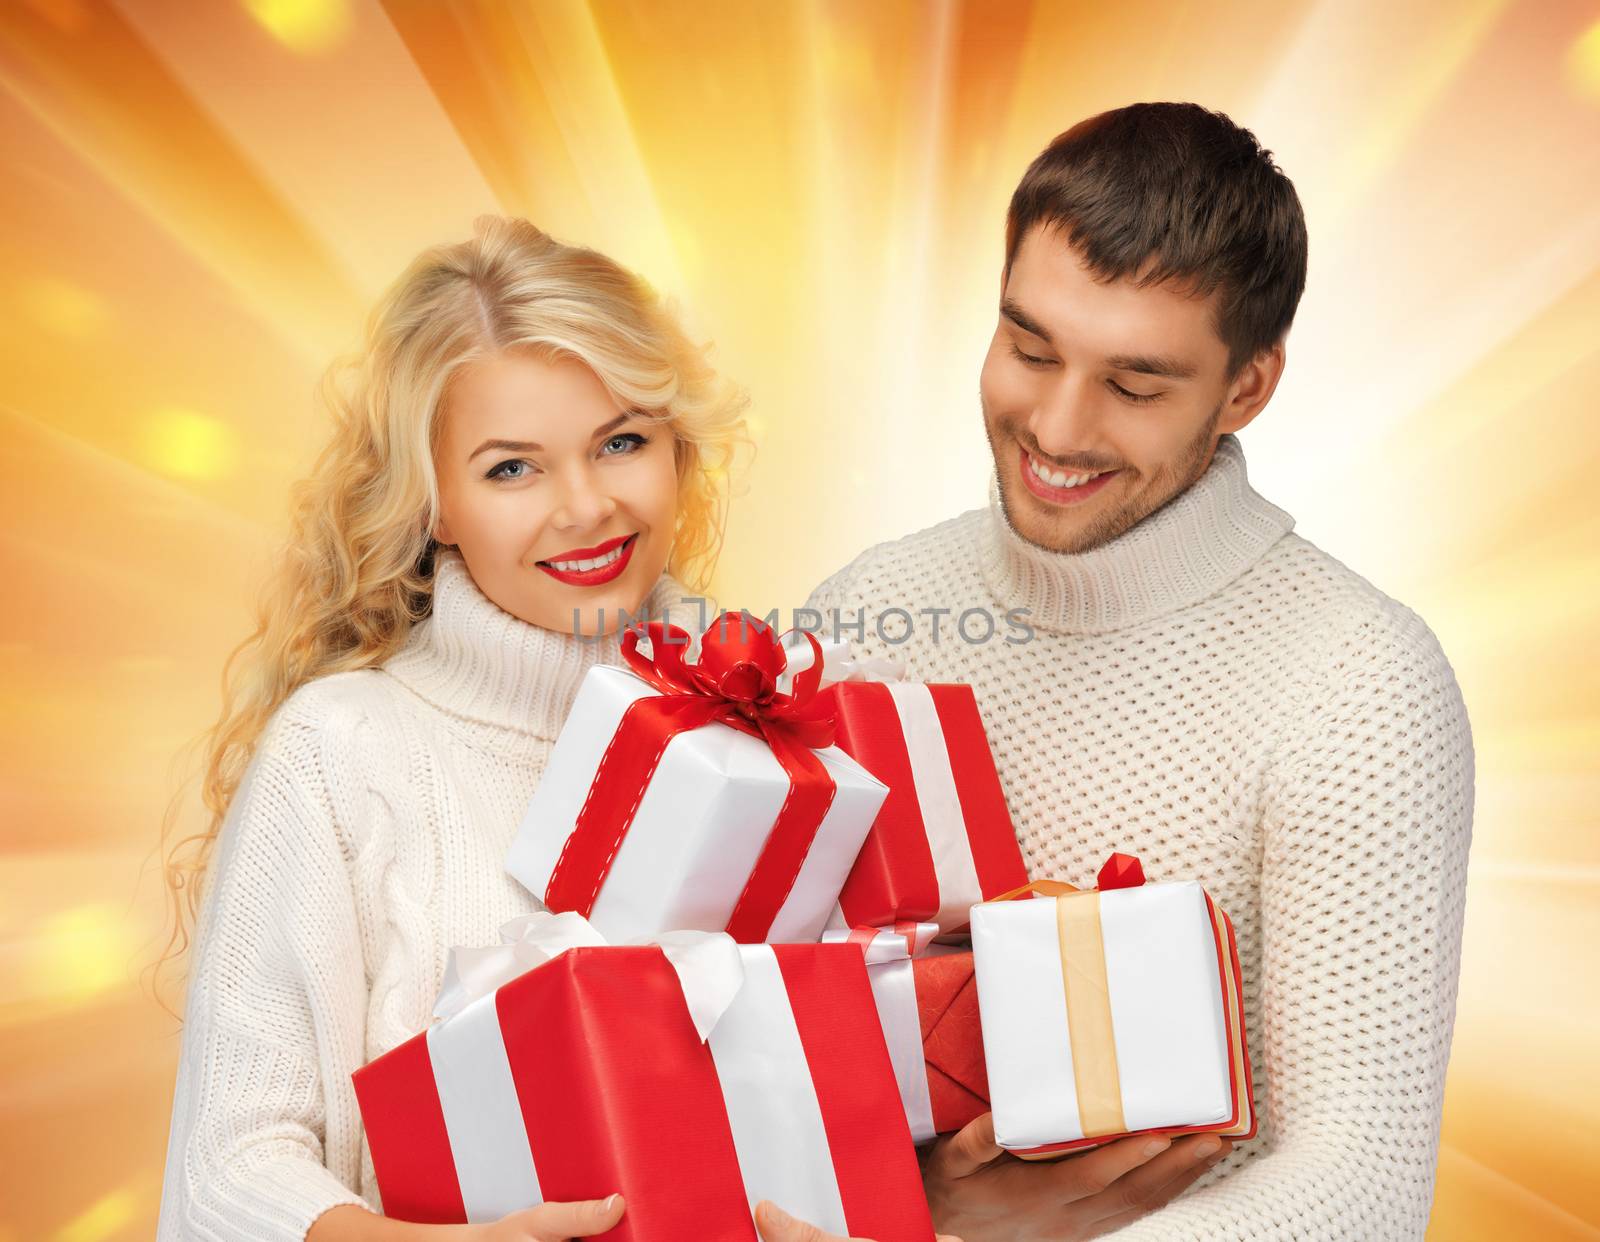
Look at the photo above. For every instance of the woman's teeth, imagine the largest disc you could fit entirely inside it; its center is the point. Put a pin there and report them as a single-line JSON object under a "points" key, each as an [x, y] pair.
{"points": [[1057, 478], [574, 567]]}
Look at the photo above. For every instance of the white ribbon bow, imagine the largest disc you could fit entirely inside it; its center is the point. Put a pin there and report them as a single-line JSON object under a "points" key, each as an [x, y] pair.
{"points": [[708, 964], [838, 662]]}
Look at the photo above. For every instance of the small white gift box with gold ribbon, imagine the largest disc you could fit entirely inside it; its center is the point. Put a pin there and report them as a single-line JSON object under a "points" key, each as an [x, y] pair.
{"points": [[1110, 1011]]}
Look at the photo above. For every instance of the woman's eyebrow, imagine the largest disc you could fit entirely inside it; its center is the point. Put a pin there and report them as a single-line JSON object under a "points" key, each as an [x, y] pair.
{"points": [[528, 446], [515, 446]]}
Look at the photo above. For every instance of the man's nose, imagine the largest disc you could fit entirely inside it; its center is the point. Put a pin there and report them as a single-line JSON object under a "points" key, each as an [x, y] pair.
{"points": [[1065, 422], [584, 504]]}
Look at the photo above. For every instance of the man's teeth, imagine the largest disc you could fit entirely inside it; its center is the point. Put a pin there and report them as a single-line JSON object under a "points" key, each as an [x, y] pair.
{"points": [[574, 567], [1058, 478]]}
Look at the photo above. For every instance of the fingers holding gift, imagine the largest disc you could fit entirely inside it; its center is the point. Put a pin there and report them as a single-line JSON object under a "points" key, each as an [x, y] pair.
{"points": [[1153, 1185], [556, 1222], [776, 1225], [968, 1150]]}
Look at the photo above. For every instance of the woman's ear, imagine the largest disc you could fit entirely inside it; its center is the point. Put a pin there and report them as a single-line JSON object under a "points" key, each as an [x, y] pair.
{"points": [[441, 532]]}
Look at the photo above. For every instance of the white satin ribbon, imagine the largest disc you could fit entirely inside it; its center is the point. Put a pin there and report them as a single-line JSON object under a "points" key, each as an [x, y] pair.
{"points": [[472, 1070], [708, 963], [934, 778], [894, 991], [773, 1111], [839, 662]]}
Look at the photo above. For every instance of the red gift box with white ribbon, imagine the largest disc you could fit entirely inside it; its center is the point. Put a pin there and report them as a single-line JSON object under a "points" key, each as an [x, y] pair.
{"points": [[943, 839], [927, 1000], [694, 1076]]}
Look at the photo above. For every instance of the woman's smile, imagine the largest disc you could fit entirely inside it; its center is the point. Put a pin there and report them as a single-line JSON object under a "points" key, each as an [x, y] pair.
{"points": [[592, 566]]}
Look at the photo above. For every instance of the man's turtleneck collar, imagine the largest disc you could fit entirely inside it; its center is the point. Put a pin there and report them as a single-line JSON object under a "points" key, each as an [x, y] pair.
{"points": [[473, 659], [1189, 549]]}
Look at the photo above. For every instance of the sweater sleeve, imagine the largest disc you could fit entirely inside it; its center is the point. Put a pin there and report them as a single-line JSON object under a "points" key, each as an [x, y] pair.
{"points": [[275, 1012], [1363, 879]]}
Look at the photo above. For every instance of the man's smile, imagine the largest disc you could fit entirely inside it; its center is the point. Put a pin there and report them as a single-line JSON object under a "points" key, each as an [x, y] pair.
{"points": [[1058, 486]]}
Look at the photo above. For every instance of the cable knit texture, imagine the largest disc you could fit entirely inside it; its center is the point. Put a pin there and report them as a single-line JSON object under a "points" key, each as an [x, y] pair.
{"points": [[1212, 692], [367, 838]]}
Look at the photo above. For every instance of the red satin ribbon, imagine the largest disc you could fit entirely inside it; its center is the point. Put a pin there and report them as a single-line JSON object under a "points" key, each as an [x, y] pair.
{"points": [[733, 683]]}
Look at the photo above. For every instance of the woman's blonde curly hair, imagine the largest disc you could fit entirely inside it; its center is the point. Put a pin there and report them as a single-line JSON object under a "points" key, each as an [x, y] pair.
{"points": [[356, 571]]}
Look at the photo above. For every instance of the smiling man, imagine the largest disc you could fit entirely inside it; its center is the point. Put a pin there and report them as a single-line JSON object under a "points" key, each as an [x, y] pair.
{"points": [[1167, 669]]}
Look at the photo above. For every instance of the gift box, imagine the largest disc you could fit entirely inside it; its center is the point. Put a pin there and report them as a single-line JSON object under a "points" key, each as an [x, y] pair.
{"points": [[943, 839], [927, 1001], [1112, 1011], [697, 795], [695, 1077]]}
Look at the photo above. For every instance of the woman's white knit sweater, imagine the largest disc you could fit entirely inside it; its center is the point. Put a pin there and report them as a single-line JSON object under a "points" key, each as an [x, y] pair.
{"points": [[367, 839], [1213, 693]]}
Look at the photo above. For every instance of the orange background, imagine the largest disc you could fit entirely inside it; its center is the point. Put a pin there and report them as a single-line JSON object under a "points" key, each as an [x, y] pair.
{"points": [[200, 201]]}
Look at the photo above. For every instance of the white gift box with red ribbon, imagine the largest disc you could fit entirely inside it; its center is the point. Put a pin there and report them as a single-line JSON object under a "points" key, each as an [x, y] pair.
{"points": [[717, 827]]}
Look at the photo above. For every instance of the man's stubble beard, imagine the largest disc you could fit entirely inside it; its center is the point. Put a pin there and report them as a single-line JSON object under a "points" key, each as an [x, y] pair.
{"points": [[1165, 486]]}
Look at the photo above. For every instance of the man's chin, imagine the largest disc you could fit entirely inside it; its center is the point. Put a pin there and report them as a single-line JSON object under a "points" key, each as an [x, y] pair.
{"points": [[1051, 527]]}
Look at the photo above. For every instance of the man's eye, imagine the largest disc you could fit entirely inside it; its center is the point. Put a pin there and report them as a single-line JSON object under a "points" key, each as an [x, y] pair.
{"points": [[1031, 360], [1137, 398]]}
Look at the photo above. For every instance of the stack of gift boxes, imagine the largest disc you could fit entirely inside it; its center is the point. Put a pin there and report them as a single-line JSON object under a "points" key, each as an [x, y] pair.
{"points": [[790, 937]]}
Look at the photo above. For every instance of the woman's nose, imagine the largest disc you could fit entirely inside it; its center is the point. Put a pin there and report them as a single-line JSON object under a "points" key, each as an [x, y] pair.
{"points": [[584, 504]]}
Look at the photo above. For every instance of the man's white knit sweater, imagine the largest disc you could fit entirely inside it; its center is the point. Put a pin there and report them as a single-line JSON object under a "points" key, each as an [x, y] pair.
{"points": [[1213, 693], [367, 839]]}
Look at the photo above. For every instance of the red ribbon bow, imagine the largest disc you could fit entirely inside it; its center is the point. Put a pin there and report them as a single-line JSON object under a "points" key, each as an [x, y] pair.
{"points": [[734, 683]]}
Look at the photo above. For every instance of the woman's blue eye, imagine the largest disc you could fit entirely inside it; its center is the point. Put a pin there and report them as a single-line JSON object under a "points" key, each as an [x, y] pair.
{"points": [[631, 440], [499, 471]]}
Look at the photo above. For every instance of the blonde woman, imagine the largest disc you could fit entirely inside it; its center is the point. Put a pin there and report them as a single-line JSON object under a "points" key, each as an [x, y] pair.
{"points": [[526, 450]]}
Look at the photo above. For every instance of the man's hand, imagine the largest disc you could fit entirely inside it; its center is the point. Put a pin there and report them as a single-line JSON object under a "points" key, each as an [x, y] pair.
{"points": [[777, 1225], [987, 1195]]}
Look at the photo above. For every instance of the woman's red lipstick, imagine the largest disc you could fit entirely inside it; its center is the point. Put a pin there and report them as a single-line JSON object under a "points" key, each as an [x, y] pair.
{"points": [[623, 546]]}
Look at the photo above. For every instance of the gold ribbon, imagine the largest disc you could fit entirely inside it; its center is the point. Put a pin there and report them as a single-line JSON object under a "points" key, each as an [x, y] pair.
{"points": [[1094, 1050], [1083, 975]]}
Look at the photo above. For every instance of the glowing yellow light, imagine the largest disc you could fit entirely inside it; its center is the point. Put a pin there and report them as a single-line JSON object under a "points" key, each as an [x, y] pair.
{"points": [[188, 445], [308, 26], [65, 308], [104, 1218], [1583, 63], [78, 953]]}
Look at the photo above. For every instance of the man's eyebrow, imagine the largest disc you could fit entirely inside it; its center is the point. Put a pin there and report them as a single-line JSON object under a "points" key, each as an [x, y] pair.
{"points": [[528, 446], [1153, 364], [1023, 320]]}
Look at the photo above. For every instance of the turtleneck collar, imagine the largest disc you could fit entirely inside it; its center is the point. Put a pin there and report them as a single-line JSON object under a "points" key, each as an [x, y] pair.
{"points": [[471, 658], [1192, 547]]}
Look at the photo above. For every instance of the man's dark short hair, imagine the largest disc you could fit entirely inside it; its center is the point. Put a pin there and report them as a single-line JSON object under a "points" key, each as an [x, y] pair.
{"points": [[1186, 193]]}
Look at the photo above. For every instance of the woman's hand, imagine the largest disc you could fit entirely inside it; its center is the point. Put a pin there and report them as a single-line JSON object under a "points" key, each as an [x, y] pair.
{"points": [[777, 1225], [549, 1222], [986, 1195], [556, 1222]]}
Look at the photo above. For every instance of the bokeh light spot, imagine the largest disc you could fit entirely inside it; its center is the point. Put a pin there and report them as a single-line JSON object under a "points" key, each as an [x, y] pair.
{"points": [[187, 445], [65, 309], [79, 952], [1583, 64], [307, 26], [104, 1218]]}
